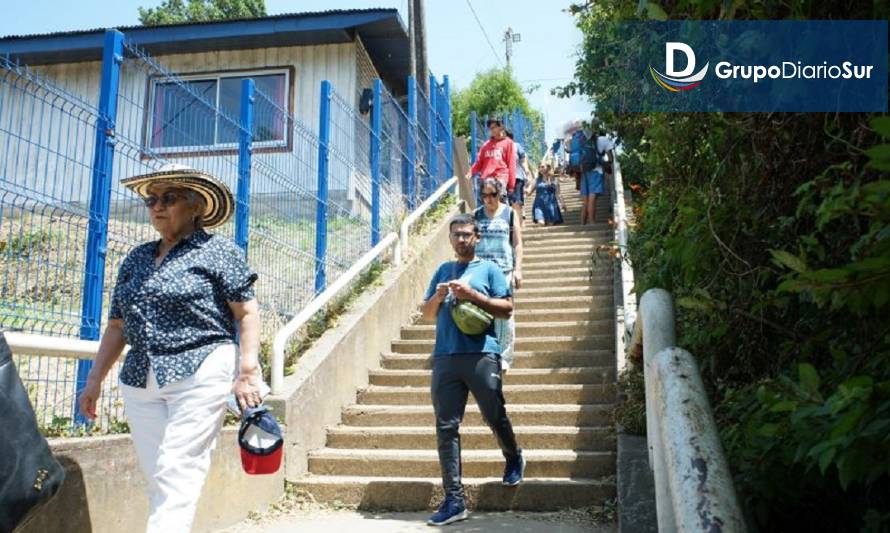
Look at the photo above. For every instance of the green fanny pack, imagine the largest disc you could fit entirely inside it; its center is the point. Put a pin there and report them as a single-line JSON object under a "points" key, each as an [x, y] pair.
{"points": [[470, 318]]}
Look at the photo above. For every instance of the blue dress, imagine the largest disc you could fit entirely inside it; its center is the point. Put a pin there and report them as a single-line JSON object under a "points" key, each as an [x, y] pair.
{"points": [[546, 206]]}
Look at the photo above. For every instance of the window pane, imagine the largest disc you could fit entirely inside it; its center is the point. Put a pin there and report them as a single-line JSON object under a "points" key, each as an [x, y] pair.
{"points": [[268, 121], [179, 119]]}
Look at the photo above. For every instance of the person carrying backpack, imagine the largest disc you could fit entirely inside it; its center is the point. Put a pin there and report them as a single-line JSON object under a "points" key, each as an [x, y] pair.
{"points": [[591, 159]]}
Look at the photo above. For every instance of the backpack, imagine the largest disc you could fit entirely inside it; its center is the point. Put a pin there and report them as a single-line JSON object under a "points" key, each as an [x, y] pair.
{"points": [[576, 146], [591, 157]]}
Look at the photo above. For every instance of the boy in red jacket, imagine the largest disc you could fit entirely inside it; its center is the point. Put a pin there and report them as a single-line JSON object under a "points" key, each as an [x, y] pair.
{"points": [[496, 159]]}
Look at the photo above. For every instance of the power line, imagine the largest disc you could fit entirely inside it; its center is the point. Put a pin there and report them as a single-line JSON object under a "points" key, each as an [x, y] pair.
{"points": [[481, 27]]}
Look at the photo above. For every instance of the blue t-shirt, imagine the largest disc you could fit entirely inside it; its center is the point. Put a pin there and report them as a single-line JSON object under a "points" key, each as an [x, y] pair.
{"points": [[483, 276], [520, 156]]}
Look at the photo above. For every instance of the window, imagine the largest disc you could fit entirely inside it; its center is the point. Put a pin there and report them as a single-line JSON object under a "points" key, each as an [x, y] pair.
{"points": [[179, 122]]}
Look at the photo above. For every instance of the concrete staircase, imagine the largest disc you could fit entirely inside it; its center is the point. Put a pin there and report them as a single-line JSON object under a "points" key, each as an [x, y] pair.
{"points": [[559, 395]]}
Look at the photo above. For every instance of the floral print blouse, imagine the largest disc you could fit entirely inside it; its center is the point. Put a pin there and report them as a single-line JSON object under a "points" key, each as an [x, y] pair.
{"points": [[176, 313]]}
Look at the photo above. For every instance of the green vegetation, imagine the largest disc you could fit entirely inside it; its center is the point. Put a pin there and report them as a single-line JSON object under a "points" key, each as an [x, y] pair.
{"points": [[179, 11], [772, 231], [495, 91]]}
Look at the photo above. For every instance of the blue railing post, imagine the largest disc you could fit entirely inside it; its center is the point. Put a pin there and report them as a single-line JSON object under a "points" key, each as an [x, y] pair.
{"points": [[245, 138], [434, 161], [321, 211], [474, 134], [412, 143], [100, 198], [376, 127], [449, 137]]}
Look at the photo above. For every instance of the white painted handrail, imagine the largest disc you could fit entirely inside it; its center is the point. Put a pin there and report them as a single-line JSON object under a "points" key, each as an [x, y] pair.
{"points": [[279, 344], [419, 212], [32, 344], [626, 312], [694, 491], [283, 336]]}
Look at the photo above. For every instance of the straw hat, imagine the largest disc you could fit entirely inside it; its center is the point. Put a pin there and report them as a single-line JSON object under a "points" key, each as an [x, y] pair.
{"points": [[217, 197]]}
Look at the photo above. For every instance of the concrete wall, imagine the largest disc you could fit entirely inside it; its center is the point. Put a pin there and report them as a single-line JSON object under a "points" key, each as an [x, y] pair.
{"points": [[104, 489], [328, 375]]}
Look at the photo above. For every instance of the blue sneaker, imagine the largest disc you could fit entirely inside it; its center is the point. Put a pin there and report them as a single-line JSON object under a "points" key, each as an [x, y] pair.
{"points": [[514, 471], [449, 512]]}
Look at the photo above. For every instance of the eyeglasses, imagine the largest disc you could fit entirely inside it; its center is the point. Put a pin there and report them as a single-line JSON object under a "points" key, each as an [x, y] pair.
{"points": [[462, 235], [489, 195], [166, 200]]}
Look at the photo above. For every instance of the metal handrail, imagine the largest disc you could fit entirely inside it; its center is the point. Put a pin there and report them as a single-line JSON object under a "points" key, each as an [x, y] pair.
{"points": [[694, 491], [282, 337], [416, 214]]}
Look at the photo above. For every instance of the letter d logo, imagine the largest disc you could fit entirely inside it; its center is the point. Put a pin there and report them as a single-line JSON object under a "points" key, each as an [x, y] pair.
{"points": [[676, 81], [670, 50]]}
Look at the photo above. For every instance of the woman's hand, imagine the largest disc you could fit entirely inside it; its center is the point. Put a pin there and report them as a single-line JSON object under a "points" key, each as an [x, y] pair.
{"points": [[517, 278], [89, 398], [247, 388]]}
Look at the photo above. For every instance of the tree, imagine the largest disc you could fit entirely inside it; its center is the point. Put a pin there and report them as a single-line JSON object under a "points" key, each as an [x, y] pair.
{"points": [[495, 91], [179, 11], [773, 233]]}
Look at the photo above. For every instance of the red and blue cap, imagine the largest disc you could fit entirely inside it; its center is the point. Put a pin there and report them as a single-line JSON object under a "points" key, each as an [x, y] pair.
{"points": [[261, 441]]}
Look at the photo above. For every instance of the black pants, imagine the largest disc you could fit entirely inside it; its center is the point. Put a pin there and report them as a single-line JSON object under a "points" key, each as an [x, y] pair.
{"points": [[454, 376]]}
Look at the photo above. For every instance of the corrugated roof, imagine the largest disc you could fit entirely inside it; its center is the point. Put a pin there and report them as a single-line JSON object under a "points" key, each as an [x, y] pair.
{"points": [[382, 31]]}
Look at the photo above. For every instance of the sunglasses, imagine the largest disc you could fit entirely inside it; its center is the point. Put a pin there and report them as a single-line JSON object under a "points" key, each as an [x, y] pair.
{"points": [[489, 195], [166, 199]]}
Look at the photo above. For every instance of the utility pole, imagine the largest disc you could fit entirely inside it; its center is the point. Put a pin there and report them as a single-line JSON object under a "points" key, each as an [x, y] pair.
{"points": [[417, 38], [509, 39]]}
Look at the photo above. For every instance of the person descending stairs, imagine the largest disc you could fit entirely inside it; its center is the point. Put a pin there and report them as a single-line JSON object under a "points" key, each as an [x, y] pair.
{"points": [[559, 394]]}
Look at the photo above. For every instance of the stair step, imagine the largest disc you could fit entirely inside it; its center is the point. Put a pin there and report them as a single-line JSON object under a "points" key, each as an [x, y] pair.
{"points": [[534, 258], [525, 329], [567, 237], [600, 439], [514, 394], [474, 463], [582, 282], [570, 291], [526, 316], [519, 376], [543, 359], [520, 414], [522, 302], [586, 342], [602, 273], [483, 494]]}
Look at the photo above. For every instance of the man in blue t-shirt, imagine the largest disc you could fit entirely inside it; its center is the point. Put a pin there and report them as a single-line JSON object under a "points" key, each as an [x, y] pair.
{"points": [[465, 363]]}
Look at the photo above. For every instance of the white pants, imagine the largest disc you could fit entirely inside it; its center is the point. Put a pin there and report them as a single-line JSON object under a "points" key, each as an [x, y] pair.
{"points": [[174, 430]]}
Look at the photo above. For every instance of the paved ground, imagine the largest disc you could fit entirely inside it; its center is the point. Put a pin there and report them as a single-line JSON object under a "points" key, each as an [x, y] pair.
{"points": [[323, 521]]}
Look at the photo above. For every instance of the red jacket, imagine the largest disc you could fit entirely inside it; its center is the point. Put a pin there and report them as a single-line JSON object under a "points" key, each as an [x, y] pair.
{"points": [[497, 159]]}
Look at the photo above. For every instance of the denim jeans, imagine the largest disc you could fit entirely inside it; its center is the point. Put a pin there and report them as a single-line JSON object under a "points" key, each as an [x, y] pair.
{"points": [[454, 377]]}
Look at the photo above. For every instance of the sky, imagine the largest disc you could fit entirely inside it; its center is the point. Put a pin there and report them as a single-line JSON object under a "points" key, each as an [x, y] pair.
{"points": [[456, 45]]}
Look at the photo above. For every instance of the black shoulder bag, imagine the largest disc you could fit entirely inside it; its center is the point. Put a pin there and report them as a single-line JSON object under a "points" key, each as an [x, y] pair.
{"points": [[31, 476]]}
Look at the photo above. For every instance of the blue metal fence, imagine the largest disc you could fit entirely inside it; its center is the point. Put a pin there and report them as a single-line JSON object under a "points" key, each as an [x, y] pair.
{"points": [[309, 202]]}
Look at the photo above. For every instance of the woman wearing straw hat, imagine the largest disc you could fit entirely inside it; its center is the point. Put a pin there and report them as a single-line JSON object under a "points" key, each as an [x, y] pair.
{"points": [[176, 302]]}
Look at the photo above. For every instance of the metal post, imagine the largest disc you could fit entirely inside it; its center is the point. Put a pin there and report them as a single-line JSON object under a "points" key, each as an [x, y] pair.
{"points": [[449, 137], [245, 138], [100, 198], [434, 143], [474, 133], [321, 215], [412, 143], [376, 127]]}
